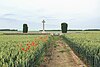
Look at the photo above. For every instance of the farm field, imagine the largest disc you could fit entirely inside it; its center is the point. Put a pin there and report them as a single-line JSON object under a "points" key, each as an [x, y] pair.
{"points": [[22, 50], [31, 50], [86, 45]]}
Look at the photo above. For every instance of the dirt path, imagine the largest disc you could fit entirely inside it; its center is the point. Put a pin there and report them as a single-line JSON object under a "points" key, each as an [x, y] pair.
{"points": [[62, 56]]}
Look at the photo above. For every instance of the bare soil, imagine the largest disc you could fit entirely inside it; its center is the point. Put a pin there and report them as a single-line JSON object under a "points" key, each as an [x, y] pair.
{"points": [[61, 55]]}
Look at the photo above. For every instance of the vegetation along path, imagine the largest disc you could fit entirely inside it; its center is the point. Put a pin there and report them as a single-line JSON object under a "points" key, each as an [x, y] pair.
{"points": [[61, 55]]}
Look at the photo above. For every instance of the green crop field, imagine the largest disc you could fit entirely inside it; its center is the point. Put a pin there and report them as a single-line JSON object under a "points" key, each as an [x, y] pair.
{"points": [[86, 45], [22, 50], [30, 50]]}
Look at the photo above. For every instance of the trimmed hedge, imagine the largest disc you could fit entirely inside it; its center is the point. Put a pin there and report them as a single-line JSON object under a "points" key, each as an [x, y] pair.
{"points": [[64, 27], [25, 28]]}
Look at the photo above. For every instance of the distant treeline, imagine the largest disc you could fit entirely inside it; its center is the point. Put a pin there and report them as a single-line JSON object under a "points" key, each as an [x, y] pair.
{"points": [[75, 30], [8, 30], [53, 30], [86, 30], [92, 30]]}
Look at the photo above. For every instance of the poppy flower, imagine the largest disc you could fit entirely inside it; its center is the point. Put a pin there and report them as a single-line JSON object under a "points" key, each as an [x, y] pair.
{"points": [[33, 44], [22, 48], [27, 48], [27, 44]]}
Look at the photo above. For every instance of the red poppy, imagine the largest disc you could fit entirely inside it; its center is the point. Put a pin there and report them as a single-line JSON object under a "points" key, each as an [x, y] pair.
{"points": [[27, 44], [33, 44], [22, 48], [27, 48]]}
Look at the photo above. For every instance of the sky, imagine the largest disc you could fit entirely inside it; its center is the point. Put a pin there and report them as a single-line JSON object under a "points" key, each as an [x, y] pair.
{"points": [[78, 14]]}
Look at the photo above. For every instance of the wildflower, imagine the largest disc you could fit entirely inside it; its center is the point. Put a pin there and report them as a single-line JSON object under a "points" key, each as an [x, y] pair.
{"points": [[33, 44], [27, 44], [22, 48], [27, 48]]}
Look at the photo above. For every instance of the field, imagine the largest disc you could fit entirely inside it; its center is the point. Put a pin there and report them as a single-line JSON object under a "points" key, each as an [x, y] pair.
{"points": [[30, 50], [22, 50], [86, 45]]}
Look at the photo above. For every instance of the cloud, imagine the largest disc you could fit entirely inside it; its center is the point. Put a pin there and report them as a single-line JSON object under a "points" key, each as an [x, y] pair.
{"points": [[9, 14], [9, 20], [77, 13]]}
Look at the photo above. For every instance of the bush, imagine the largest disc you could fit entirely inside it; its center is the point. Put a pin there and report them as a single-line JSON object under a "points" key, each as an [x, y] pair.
{"points": [[25, 28], [64, 27]]}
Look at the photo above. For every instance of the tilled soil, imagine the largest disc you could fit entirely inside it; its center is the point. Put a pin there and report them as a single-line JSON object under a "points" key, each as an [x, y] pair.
{"points": [[61, 55]]}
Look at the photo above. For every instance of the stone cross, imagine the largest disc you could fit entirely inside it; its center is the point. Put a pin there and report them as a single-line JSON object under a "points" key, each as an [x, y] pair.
{"points": [[43, 26]]}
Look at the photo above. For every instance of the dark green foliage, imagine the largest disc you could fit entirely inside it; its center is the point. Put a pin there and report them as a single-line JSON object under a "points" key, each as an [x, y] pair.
{"points": [[25, 28], [92, 30], [8, 30], [64, 27]]}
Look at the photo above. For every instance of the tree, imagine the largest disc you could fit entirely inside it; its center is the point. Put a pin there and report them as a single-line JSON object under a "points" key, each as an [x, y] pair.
{"points": [[64, 27], [25, 28]]}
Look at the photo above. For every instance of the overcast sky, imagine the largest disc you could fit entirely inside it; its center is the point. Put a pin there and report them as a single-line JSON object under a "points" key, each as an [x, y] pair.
{"points": [[79, 14]]}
